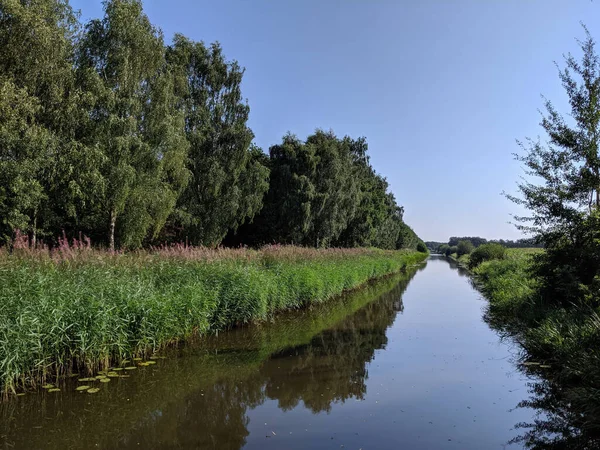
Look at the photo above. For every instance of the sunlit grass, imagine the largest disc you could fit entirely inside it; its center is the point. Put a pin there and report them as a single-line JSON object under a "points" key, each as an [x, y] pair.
{"points": [[83, 309]]}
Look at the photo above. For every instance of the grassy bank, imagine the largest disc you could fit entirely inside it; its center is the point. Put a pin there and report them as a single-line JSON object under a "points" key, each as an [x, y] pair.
{"points": [[562, 345], [80, 309], [237, 357]]}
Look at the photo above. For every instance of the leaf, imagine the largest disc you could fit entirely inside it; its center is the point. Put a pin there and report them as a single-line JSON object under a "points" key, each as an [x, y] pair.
{"points": [[93, 390], [82, 388]]}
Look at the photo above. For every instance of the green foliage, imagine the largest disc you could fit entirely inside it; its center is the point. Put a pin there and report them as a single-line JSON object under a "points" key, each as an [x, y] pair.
{"points": [[464, 248], [486, 252], [93, 309], [313, 192], [105, 130], [564, 339], [135, 125], [421, 247], [564, 198], [475, 241], [451, 250], [323, 192], [228, 180]]}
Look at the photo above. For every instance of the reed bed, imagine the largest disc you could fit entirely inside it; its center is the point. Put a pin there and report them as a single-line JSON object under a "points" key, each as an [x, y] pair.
{"points": [[78, 309]]}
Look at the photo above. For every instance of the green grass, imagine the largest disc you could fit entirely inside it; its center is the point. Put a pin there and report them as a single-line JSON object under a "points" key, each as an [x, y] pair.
{"points": [[83, 310], [566, 339]]}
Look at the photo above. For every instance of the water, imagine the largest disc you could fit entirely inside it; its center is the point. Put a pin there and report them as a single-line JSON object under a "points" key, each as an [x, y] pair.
{"points": [[405, 363]]}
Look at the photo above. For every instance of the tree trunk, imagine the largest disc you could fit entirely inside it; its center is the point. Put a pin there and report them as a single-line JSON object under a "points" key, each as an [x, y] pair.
{"points": [[111, 237], [34, 232]]}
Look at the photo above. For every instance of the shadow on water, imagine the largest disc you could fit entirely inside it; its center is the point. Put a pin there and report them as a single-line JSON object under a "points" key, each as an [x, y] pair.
{"points": [[556, 424], [200, 396]]}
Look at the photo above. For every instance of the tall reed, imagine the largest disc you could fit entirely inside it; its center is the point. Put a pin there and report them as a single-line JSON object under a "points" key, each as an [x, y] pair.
{"points": [[79, 309]]}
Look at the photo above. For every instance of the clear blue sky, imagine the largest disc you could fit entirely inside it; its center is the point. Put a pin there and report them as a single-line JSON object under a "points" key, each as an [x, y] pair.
{"points": [[441, 89]]}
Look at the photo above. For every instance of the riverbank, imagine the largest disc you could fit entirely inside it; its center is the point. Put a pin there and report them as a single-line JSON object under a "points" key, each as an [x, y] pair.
{"points": [[83, 310], [562, 345]]}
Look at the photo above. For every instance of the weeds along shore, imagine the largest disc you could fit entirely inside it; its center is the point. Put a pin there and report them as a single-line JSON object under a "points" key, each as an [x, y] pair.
{"points": [[77, 309]]}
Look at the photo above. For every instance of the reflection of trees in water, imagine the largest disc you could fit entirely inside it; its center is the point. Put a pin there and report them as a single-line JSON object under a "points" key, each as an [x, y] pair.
{"points": [[316, 357], [558, 425], [566, 418], [330, 368]]}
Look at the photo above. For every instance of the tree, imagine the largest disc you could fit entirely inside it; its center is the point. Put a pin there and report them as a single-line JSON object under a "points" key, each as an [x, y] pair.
{"points": [[464, 248], [39, 110], [486, 252], [134, 123], [228, 180], [564, 204], [313, 193]]}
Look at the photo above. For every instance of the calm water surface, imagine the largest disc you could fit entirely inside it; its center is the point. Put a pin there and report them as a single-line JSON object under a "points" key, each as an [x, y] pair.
{"points": [[406, 363]]}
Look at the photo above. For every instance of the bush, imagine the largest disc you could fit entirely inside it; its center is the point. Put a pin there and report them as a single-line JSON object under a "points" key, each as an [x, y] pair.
{"points": [[451, 250], [464, 248], [486, 252], [421, 247]]}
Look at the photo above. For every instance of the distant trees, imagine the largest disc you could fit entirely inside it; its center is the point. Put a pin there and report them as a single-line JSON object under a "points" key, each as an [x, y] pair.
{"points": [[324, 192], [477, 241], [464, 247], [106, 130]]}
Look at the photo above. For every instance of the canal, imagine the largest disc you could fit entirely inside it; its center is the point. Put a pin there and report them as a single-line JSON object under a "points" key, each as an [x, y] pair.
{"points": [[405, 363]]}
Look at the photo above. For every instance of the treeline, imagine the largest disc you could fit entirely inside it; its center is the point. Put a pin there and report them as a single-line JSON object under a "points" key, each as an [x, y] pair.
{"points": [[479, 241], [107, 131]]}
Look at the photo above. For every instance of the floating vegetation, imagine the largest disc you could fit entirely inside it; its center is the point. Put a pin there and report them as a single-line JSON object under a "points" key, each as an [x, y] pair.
{"points": [[154, 357], [116, 369], [112, 375], [130, 368], [545, 366], [104, 380], [85, 380], [137, 359], [20, 394], [54, 390], [143, 364], [100, 377], [93, 390], [124, 376], [82, 388], [150, 362], [47, 386]]}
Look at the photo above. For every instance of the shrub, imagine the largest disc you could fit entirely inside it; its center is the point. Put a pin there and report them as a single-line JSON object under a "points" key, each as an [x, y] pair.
{"points": [[451, 250], [486, 252], [421, 247], [464, 248]]}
